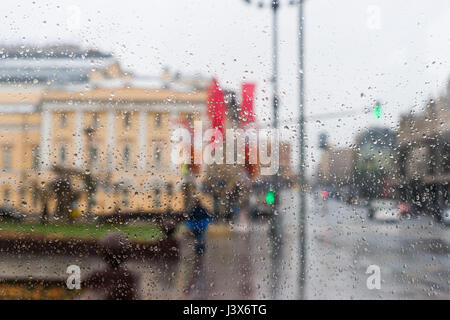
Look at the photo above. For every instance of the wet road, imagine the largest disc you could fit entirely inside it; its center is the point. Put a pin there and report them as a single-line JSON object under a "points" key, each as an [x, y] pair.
{"points": [[413, 257]]}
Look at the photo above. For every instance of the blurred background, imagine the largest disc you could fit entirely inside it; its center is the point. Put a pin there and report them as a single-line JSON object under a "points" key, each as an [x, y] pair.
{"points": [[91, 94]]}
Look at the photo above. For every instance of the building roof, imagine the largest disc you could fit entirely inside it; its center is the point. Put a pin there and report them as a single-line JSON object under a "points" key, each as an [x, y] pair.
{"points": [[51, 65], [126, 94], [31, 75]]}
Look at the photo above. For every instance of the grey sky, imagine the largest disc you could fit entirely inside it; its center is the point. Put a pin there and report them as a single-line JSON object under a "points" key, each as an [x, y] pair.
{"points": [[402, 59]]}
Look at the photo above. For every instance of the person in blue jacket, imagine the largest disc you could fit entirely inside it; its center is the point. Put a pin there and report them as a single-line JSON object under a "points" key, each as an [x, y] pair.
{"points": [[198, 221]]}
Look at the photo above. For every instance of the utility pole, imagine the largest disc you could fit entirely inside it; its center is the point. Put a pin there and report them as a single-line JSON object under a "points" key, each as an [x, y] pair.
{"points": [[276, 227], [302, 184], [275, 230]]}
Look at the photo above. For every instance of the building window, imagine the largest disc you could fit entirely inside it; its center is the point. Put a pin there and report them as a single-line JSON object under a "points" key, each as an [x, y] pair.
{"points": [[95, 121], [93, 155], [169, 189], [126, 155], [157, 154], [432, 160], [35, 196], [190, 120], [35, 158], [125, 198], [158, 120], [157, 200], [62, 154], [62, 120], [6, 158], [446, 158], [92, 199], [127, 120], [6, 194]]}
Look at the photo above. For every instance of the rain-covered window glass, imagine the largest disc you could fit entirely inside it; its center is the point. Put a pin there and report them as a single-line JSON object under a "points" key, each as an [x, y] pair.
{"points": [[239, 149]]}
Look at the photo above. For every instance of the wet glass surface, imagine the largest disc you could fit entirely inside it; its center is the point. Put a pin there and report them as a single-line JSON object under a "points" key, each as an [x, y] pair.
{"points": [[225, 150]]}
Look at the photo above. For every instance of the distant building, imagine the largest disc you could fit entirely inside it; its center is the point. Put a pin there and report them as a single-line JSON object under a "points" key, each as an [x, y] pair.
{"points": [[366, 169], [424, 155], [63, 109], [55, 66], [375, 162], [336, 167], [286, 173]]}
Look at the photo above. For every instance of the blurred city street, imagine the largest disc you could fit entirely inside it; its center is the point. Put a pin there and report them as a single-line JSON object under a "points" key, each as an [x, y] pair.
{"points": [[206, 150], [413, 256]]}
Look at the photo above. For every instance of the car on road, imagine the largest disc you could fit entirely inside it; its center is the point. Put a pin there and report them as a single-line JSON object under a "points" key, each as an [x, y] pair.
{"points": [[384, 210]]}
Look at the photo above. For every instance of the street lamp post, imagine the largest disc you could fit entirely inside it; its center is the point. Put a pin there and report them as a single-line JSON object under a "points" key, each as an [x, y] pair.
{"points": [[302, 197], [275, 230], [275, 6]]}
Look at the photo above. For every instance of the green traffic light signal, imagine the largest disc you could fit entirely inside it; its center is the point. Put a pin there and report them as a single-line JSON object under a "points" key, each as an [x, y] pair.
{"points": [[377, 111], [270, 197]]}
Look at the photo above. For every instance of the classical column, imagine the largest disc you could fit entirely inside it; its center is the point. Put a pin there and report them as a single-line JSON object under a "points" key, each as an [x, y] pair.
{"points": [[46, 139], [78, 139], [142, 140], [173, 120], [110, 139]]}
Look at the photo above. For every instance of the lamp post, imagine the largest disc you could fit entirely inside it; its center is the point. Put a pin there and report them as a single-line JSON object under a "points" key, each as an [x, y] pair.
{"points": [[275, 4], [301, 175], [275, 230]]}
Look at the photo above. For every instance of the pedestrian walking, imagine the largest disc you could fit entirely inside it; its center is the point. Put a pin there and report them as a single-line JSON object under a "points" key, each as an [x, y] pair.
{"points": [[197, 223]]}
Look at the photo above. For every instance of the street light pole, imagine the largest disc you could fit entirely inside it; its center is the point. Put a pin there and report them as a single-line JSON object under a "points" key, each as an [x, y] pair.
{"points": [[302, 184], [275, 5], [275, 230]]}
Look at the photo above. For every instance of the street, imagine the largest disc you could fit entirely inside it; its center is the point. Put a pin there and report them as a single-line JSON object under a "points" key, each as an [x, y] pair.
{"points": [[413, 256]]}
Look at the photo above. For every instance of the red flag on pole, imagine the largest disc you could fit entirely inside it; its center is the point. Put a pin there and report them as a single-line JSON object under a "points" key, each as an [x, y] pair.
{"points": [[247, 112], [248, 120], [216, 108]]}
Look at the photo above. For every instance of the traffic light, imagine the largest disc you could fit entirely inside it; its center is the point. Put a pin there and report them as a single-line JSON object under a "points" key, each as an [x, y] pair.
{"points": [[377, 110], [270, 197]]}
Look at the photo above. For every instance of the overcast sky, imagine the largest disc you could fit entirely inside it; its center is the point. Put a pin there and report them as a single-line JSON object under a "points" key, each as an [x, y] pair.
{"points": [[357, 51]]}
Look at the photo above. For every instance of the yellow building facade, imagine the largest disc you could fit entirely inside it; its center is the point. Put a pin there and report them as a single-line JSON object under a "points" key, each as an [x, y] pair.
{"points": [[120, 137]]}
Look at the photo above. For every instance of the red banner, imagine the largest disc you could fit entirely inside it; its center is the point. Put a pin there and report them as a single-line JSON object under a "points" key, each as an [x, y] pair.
{"points": [[247, 108], [216, 106]]}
